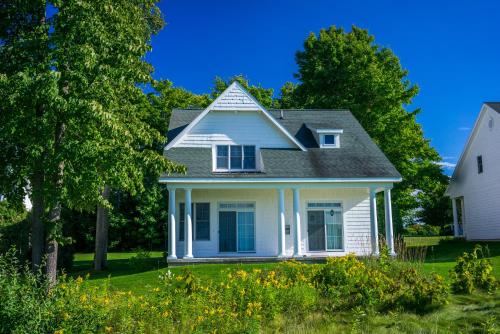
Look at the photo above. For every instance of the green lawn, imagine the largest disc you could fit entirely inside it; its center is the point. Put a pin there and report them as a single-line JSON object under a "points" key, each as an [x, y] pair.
{"points": [[124, 275]]}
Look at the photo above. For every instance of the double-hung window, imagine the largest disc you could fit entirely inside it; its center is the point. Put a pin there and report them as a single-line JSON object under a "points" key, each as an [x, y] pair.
{"points": [[201, 221], [235, 158]]}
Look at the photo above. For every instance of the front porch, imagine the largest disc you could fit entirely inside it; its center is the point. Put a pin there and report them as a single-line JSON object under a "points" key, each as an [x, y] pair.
{"points": [[255, 222]]}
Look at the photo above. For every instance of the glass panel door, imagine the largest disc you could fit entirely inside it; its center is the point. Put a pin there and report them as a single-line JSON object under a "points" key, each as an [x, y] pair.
{"points": [[227, 231], [333, 220], [316, 230], [246, 231]]}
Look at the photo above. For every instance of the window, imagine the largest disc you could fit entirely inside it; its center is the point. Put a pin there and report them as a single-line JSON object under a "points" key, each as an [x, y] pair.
{"points": [[202, 226], [201, 221], [235, 157], [287, 229], [222, 157], [479, 164], [329, 138], [324, 226]]}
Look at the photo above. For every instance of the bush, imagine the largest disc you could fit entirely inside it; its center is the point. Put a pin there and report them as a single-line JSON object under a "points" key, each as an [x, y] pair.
{"points": [[243, 303], [423, 230], [473, 271], [349, 283], [14, 229]]}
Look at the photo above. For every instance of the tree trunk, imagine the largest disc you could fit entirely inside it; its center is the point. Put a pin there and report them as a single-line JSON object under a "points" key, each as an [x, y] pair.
{"points": [[37, 226], [101, 234], [55, 213]]}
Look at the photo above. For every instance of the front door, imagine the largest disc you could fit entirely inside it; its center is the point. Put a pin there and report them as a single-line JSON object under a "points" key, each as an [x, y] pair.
{"points": [[325, 227], [227, 231], [236, 227], [316, 230]]}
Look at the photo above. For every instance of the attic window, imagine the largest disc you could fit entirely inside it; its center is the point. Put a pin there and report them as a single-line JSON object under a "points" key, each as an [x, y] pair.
{"points": [[329, 138]]}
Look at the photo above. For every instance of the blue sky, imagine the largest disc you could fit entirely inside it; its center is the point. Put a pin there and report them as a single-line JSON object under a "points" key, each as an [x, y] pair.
{"points": [[451, 49]]}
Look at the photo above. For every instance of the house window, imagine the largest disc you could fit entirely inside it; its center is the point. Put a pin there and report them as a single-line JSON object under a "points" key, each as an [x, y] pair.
{"points": [[329, 138], [201, 221], [479, 164], [325, 226], [235, 157], [287, 229]]}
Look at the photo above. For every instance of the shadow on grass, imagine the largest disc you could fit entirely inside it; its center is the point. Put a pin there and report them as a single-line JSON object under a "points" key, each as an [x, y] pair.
{"points": [[449, 250], [117, 267]]}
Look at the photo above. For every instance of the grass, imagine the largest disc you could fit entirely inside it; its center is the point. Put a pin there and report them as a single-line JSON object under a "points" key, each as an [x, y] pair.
{"points": [[476, 313]]}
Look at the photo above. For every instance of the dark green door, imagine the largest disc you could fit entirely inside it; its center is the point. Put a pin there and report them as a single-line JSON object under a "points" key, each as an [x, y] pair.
{"points": [[316, 230], [227, 231]]}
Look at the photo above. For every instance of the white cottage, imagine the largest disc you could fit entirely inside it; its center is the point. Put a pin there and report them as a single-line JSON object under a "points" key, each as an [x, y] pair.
{"points": [[475, 184], [273, 183]]}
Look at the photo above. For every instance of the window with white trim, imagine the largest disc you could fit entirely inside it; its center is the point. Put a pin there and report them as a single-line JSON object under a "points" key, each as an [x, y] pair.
{"points": [[235, 158], [329, 138], [201, 221]]}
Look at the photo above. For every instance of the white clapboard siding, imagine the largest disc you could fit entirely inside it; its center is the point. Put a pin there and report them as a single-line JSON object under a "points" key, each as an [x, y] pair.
{"points": [[235, 99], [235, 127], [356, 219], [481, 192]]}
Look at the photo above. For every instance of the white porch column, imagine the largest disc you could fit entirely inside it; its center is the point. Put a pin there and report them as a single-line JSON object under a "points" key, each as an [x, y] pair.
{"points": [[188, 226], [455, 217], [171, 224], [297, 250], [373, 221], [389, 235], [281, 222]]}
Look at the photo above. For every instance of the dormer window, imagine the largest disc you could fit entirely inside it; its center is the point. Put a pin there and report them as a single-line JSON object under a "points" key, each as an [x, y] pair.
{"points": [[231, 158], [329, 138]]}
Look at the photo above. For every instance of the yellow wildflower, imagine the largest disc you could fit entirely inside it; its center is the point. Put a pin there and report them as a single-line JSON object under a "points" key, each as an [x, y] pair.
{"points": [[79, 280], [108, 329], [59, 331]]}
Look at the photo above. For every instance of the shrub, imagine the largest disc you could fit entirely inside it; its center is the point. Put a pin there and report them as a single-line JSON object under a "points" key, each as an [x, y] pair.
{"points": [[141, 260], [419, 293], [473, 271]]}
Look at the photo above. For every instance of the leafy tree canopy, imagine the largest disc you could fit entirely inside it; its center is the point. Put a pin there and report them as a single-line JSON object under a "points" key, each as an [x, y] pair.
{"points": [[339, 69]]}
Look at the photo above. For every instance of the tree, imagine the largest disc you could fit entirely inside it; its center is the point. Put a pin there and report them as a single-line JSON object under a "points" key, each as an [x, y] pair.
{"points": [[339, 69], [92, 130]]}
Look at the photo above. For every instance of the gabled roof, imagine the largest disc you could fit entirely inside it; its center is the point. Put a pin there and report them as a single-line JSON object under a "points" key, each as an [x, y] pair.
{"points": [[235, 97], [492, 105], [358, 156]]}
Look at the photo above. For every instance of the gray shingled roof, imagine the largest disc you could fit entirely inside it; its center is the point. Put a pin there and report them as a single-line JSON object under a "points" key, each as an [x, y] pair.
{"points": [[357, 157], [494, 105]]}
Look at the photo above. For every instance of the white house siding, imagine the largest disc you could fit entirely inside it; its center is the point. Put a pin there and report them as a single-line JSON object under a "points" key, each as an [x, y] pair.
{"points": [[356, 217], [235, 127], [481, 192]]}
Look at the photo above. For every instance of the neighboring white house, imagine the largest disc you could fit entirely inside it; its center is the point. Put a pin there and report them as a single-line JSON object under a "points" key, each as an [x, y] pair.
{"points": [[475, 185], [273, 183]]}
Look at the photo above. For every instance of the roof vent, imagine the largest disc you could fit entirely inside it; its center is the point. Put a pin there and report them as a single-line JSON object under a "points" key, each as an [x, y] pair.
{"points": [[281, 114]]}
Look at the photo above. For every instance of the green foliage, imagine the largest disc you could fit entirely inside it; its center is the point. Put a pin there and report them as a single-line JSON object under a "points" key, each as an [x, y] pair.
{"points": [[347, 283], [423, 230], [473, 271], [140, 260], [339, 69], [14, 228]]}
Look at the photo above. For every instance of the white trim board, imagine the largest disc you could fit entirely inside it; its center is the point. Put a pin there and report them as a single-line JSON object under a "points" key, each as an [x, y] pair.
{"points": [[213, 105]]}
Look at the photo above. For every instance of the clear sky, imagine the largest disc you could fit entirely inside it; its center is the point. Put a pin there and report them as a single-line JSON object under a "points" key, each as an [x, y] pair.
{"points": [[451, 49]]}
